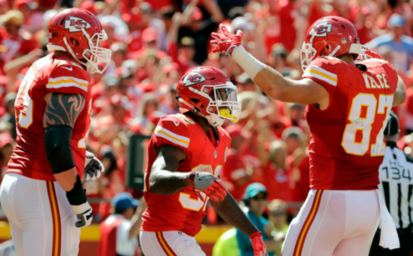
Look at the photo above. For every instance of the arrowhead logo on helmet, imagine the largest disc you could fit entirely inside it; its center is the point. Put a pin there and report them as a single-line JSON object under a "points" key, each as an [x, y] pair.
{"points": [[193, 78], [74, 24], [321, 30]]}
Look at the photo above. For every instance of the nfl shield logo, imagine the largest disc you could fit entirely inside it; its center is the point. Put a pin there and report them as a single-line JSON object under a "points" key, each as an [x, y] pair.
{"points": [[343, 40], [215, 154]]}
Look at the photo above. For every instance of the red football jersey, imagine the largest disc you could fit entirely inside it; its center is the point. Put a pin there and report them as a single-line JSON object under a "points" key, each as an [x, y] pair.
{"points": [[48, 74], [347, 143], [184, 210]]}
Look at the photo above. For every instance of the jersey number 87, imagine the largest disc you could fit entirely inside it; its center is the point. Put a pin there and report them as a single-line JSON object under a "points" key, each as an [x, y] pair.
{"points": [[362, 116]]}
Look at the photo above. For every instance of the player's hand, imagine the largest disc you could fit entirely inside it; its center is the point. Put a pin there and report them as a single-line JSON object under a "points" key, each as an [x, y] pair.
{"points": [[209, 184], [226, 42], [80, 206], [84, 214], [257, 244], [93, 167]]}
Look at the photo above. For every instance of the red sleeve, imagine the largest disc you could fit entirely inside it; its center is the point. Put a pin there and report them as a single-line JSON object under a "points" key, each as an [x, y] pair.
{"points": [[172, 131], [68, 78], [323, 71]]}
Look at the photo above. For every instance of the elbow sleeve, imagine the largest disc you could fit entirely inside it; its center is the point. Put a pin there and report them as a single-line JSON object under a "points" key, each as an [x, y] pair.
{"points": [[58, 149]]}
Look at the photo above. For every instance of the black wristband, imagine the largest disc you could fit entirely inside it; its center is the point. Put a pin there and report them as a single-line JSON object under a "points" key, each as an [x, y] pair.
{"points": [[77, 195], [58, 149]]}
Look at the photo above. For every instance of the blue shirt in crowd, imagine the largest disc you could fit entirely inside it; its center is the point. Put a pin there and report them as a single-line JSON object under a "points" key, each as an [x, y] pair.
{"points": [[244, 241], [402, 52]]}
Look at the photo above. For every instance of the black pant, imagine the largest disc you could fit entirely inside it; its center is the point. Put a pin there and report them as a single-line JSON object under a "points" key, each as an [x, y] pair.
{"points": [[406, 244]]}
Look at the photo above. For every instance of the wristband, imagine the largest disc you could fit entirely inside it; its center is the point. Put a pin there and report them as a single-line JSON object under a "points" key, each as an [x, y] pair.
{"points": [[77, 195], [255, 234], [250, 64]]}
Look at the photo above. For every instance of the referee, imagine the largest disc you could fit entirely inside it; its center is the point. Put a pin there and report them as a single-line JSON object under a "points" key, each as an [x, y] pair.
{"points": [[396, 185]]}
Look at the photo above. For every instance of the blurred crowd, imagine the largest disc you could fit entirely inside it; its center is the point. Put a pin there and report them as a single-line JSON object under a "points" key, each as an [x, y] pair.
{"points": [[154, 42]]}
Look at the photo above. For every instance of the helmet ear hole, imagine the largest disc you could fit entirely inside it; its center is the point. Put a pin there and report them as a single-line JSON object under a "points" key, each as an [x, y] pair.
{"points": [[194, 100], [74, 41]]}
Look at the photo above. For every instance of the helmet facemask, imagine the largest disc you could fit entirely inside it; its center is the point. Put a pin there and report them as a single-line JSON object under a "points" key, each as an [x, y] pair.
{"points": [[223, 104], [95, 55], [307, 54]]}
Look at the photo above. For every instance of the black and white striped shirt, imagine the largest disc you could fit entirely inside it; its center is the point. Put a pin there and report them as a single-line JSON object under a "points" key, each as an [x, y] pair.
{"points": [[396, 185]]}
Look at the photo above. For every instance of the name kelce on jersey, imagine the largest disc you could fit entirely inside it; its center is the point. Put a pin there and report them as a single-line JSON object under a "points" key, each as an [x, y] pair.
{"points": [[371, 82]]}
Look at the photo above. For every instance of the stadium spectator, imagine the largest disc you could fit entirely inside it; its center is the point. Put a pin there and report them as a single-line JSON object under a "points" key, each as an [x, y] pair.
{"points": [[15, 41], [255, 199], [118, 233], [276, 172], [401, 44], [299, 161], [277, 215], [235, 173]]}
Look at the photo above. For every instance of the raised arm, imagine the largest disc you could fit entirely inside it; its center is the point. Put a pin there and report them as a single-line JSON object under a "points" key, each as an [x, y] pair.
{"points": [[276, 86]]}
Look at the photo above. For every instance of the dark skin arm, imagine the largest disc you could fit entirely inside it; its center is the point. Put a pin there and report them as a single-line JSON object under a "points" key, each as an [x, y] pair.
{"points": [[164, 179], [229, 210], [63, 109]]}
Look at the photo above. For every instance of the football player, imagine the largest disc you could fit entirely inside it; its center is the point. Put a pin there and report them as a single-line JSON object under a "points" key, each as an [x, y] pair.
{"points": [[42, 194], [186, 154], [348, 107]]}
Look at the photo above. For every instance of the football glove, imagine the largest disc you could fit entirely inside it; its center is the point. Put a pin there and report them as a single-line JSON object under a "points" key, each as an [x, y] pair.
{"points": [[209, 184], [257, 244], [226, 42], [80, 206], [84, 214], [93, 167]]}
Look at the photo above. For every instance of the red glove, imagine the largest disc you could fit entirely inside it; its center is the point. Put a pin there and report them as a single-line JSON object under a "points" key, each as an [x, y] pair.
{"points": [[257, 244], [209, 184], [226, 42]]}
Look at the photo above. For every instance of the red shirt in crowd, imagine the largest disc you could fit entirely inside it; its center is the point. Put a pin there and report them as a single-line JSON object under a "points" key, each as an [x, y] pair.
{"points": [[288, 14], [277, 182], [15, 45], [232, 171], [300, 188]]}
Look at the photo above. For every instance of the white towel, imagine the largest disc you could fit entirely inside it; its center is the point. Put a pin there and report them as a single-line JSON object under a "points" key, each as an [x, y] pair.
{"points": [[388, 236]]}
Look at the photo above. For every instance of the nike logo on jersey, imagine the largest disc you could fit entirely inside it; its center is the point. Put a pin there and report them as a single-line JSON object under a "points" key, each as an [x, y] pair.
{"points": [[71, 68], [176, 123]]}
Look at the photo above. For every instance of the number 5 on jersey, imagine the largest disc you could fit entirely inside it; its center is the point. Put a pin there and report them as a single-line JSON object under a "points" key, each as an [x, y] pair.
{"points": [[358, 137]]}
